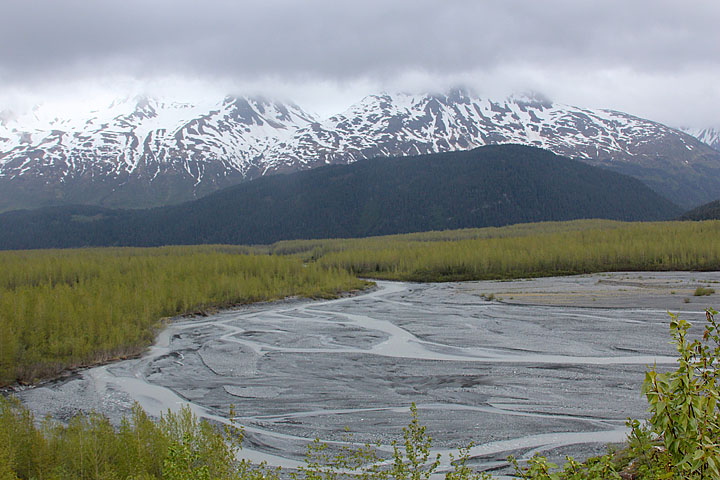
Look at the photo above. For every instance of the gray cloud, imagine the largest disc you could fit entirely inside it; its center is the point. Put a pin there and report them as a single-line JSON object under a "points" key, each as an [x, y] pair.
{"points": [[559, 45]]}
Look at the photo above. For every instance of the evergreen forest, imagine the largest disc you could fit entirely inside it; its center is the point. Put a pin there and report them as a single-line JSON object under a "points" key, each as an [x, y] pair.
{"points": [[488, 186]]}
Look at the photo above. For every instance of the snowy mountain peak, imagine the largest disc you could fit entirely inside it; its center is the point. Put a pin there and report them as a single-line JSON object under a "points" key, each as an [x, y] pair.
{"points": [[533, 100], [709, 136], [162, 150], [405, 124]]}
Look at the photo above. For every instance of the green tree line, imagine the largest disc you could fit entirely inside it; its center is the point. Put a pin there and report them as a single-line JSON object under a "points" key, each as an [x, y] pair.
{"points": [[66, 308], [556, 249]]}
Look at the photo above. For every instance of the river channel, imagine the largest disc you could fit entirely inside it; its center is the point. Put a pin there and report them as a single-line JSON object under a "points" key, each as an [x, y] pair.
{"points": [[549, 365]]}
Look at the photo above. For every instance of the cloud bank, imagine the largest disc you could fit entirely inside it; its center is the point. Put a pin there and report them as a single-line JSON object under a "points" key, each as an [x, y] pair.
{"points": [[657, 58]]}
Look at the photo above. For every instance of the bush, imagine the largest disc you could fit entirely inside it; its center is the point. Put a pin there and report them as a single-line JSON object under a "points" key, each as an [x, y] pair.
{"points": [[701, 291], [177, 447], [684, 407]]}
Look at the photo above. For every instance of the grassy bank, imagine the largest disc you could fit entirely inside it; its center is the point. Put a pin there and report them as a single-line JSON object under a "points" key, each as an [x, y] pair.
{"points": [[66, 308], [549, 249]]}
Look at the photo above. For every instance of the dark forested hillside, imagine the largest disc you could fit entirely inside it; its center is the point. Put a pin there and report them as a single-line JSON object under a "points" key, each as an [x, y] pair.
{"points": [[709, 211], [487, 186]]}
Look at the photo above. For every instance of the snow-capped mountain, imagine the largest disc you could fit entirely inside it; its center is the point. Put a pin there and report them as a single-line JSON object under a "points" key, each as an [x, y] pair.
{"points": [[145, 136], [709, 136], [404, 124], [671, 162], [144, 151]]}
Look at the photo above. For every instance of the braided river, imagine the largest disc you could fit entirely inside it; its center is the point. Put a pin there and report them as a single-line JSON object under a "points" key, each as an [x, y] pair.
{"points": [[551, 366]]}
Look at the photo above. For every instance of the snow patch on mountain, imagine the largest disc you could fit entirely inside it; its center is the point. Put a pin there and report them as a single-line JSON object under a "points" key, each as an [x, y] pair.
{"points": [[405, 124], [709, 136], [142, 131], [196, 147]]}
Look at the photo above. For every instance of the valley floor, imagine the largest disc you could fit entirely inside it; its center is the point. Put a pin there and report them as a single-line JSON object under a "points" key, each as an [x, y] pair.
{"points": [[665, 291], [551, 365]]}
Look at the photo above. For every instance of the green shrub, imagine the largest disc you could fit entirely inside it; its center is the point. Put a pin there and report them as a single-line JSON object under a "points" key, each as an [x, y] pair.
{"points": [[701, 291], [597, 468], [178, 446], [684, 404]]}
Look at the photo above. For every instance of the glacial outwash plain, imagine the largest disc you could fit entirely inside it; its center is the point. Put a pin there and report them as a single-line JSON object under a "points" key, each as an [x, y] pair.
{"points": [[541, 356], [550, 366]]}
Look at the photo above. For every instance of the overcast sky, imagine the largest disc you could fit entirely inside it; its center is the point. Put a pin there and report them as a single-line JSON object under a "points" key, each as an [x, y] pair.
{"points": [[655, 58]]}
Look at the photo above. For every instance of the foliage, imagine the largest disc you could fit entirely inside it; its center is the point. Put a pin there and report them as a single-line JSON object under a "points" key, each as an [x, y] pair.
{"points": [[550, 249], [684, 403], [597, 468], [176, 447], [702, 291], [47, 298], [314, 249], [67, 308]]}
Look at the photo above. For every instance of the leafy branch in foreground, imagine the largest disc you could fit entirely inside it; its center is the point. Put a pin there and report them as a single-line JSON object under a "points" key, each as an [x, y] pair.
{"points": [[596, 468], [684, 404], [411, 460]]}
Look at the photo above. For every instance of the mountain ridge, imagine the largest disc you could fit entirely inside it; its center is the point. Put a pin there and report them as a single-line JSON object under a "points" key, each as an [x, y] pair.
{"points": [[486, 186], [708, 211], [145, 152], [709, 135]]}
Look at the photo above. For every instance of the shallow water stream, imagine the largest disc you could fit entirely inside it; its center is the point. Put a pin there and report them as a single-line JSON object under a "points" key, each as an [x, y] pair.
{"points": [[534, 373]]}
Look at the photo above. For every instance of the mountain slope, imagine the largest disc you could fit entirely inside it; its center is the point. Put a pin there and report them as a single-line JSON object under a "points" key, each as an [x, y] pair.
{"points": [[487, 186], [139, 152], [674, 164], [708, 211], [144, 152], [709, 136]]}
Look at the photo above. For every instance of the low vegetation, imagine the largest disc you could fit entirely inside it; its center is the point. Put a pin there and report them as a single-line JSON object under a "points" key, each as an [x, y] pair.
{"points": [[176, 447], [67, 308], [703, 291], [681, 438], [565, 248]]}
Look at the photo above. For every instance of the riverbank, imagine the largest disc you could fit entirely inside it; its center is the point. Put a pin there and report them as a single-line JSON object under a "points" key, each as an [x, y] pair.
{"points": [[67, 309], [663, 291], [61, 309]]}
